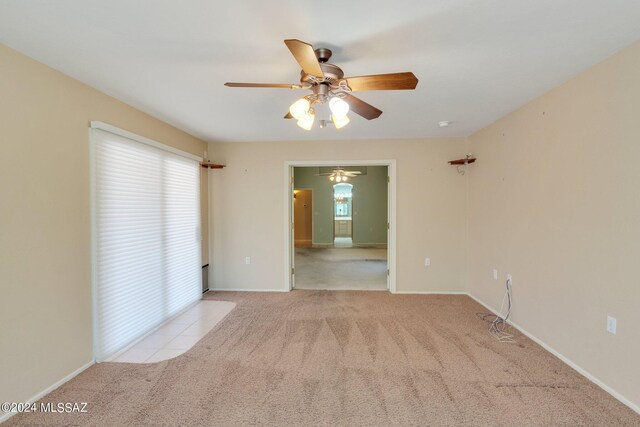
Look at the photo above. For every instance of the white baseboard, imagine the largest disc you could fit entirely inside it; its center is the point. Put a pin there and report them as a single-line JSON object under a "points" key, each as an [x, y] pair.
{"points": [[370, 245], [246, 290], [353, 245], [342, 289], [429, 293], [40, 395], [566, 360]]}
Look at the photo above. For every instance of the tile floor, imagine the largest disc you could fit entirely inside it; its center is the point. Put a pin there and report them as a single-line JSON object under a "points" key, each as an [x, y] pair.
{"points": [[177, 335]]}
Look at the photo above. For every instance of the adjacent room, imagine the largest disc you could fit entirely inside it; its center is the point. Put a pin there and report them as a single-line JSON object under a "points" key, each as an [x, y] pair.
{"points": [[341, 223], [423, 212]]}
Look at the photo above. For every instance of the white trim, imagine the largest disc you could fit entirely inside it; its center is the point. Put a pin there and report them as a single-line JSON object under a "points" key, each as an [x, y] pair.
{"points": [[211, 229], [125, 133], [342, 289], [94, 246], [566, 360], [246, 290], [391, 243], [289, 244], [391, 203], [4, 417], [430, 293]]}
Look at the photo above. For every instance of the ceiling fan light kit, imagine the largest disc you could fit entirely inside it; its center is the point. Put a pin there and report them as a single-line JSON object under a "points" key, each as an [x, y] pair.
{"points": [[300, 108], [328, 85], [306, 121], [341, 175], [340, 122], [339, 108]]}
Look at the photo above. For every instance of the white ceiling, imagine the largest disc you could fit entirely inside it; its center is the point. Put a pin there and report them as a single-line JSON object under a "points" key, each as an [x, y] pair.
{"points": [[476, 60]]}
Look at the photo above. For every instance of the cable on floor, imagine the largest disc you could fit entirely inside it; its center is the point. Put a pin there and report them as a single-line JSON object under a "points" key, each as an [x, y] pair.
{"points": [[499, 324]]}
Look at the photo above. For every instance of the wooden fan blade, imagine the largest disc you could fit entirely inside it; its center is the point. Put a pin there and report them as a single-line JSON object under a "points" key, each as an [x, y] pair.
{"points": [[360, 107], [393, 81], [288, 116], [273, 85], [306, 57]]}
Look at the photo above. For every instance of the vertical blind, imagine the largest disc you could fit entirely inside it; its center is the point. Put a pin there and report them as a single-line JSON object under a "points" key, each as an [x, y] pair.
{"points": [[146, 209]]}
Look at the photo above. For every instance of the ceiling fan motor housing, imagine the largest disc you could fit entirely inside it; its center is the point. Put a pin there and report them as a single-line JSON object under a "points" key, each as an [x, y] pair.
{"points": [[323, 54], [332, 73], [321, 93]]}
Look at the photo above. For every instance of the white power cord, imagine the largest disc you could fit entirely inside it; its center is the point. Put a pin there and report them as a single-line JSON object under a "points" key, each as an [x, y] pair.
{"points": [[499, 326]]}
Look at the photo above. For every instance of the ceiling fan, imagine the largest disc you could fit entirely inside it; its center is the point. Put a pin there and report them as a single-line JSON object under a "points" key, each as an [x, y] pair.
{"points": [[328, 85], [340, 175]]}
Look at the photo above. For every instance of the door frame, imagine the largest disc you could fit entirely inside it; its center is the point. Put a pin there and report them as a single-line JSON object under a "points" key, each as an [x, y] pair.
{"points": [[289, 246]]}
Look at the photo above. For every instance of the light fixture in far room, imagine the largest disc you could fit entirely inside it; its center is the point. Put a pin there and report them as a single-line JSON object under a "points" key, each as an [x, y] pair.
{"points": [[444, 123], [341, 175]]}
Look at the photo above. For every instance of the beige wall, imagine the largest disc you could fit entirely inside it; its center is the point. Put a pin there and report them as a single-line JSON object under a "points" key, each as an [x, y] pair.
{"points": [[45, 301], [248, 210], [554, 200]]}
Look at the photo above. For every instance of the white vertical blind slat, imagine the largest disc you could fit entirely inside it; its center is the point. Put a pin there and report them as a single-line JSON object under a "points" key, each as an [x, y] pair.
{"points": [[147, 219]]}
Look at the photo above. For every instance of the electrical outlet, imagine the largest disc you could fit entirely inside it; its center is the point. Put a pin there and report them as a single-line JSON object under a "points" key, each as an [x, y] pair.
{"points": [[495, 274], [612, 325], [247, 260], [427, 262]]}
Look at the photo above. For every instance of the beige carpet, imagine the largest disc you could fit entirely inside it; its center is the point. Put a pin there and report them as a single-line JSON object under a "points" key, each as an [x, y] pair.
{"points": [[342, 358]]}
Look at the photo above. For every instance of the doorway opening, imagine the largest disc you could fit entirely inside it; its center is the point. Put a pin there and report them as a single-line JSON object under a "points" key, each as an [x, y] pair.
{"points": [[340, 231], [343, 215]]}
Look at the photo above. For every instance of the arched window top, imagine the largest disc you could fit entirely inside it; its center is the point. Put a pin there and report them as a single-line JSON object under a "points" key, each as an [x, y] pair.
{"points": [[343, 194], [342, 191]]}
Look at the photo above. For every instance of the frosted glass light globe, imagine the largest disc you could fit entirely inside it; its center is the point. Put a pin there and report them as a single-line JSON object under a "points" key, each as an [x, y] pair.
{"points": [[300, 108], [340, 122], [306, 122], [338, 107]]}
